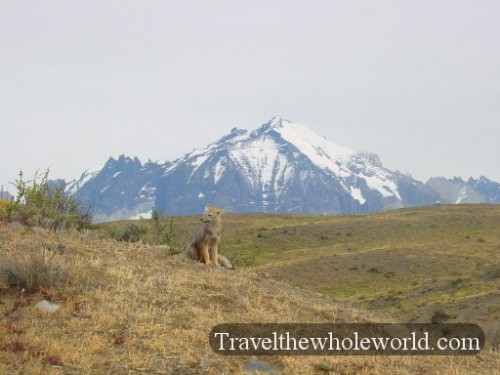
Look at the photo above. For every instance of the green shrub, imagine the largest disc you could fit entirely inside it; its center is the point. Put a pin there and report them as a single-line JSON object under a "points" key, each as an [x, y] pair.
{"points": [[41, 203], [129, 232], [167, 233], [5, 209], [246, 257], [440, 316], [323, 367]]}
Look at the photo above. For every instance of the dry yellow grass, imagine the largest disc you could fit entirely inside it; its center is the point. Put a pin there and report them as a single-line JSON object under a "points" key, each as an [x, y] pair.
{"points": [[131, 308]]}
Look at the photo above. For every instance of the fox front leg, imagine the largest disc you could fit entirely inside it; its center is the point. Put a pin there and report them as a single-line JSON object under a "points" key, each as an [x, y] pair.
{"points": [[214, 254], [204, 253]]}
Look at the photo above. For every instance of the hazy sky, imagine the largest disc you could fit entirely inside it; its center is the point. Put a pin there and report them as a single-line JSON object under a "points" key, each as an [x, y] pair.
{"points": [[417, 82]]}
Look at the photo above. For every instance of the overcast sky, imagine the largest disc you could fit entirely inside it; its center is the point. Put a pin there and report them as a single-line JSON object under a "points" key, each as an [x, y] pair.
{"points": [[417, 82]]}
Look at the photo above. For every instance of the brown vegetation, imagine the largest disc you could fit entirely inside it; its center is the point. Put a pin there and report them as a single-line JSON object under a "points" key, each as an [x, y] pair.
{"points": [[133, 308]]}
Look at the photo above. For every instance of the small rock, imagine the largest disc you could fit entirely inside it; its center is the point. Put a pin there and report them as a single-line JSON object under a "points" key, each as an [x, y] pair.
{"points": [[240, 300], [161, 248], [47, 306], [492, 273], [180, 257], [40, 231], [205, 363], [254, 365], [157, 250], [14, 225]]}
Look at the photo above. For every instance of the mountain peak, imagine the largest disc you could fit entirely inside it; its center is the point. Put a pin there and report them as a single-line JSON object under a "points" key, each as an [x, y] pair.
{"points": [[282, 166], [277, 122]]}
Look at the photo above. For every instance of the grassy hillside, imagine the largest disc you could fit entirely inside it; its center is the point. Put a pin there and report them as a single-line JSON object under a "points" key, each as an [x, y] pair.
{"points": [[135, 308], [407, 265]]}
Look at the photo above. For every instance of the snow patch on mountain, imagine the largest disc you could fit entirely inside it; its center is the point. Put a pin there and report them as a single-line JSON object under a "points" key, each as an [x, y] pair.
{"points": [[219, 170], [73, 186], [258, 158], [198, 159], [322, 152], [381, 183], [357, 194], [336, 159], [147, 192], [462, 195]]}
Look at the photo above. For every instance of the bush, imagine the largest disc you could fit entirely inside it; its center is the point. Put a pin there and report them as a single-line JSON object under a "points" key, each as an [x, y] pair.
{"points": [[33, 273], [324, 367], [168, 233], [440, 316], [5, 209], [40, 202], [129, 232], [246, 257]]}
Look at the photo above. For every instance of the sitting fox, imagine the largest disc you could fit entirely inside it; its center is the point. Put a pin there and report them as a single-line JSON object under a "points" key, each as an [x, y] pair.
{"points": [[205, 244]]}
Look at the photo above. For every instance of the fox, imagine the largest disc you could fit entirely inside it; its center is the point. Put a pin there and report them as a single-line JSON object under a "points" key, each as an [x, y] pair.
{"points": [[204, 246]]}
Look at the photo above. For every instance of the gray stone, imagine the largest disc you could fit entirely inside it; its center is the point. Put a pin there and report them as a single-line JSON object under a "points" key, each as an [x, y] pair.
{"points": [[181, 256], [492, 273], [47, 306], [255, 365], [40, 231], [160, 248], [240, 300], [205, 363], [14, 225]]}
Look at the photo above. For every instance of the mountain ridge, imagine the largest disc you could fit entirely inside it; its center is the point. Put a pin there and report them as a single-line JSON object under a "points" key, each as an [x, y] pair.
{"points": [[281, 166]]}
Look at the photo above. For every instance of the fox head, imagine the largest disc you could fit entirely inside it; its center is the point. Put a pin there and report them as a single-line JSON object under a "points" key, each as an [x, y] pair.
{"points": [[211, 213]]}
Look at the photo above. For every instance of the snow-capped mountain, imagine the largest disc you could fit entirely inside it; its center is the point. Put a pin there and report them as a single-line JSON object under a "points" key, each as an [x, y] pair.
{"points": [[73, 186], [120, 189], [280, 167], [456, 190], [285, 167]]}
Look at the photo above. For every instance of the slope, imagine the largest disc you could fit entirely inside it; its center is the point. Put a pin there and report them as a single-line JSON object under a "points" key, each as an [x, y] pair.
{"points": [[405, 264], [132, 308]]}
